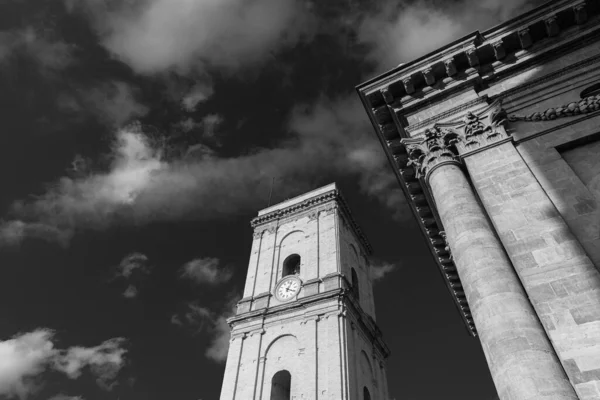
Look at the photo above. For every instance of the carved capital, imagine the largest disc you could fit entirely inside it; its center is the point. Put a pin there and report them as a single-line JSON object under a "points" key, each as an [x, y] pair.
{"points": [[436, 147], [584, 106], [476, 133]]}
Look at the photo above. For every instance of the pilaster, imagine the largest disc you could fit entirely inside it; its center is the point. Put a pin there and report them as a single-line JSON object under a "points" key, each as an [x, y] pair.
{"points": [[558, 276]]}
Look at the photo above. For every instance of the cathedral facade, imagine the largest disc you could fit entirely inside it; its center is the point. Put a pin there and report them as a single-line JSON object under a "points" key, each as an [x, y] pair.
{"points": [[495, 141], [305, 328]]}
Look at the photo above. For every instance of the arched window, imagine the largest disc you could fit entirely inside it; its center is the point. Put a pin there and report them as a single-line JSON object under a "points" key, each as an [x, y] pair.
{"points": [[281, 386], [366, 394], [355, 290], [291, 265]]}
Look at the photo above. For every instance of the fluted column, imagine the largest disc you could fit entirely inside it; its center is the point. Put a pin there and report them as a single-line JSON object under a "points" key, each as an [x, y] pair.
{"points": [[522, 362]]}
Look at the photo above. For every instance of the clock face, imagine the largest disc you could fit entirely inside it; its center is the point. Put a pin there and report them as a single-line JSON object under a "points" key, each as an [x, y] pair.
{"points": [[287, 288]]}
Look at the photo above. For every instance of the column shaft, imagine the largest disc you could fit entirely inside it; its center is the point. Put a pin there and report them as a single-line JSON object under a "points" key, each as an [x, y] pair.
{"points": [[522, 361]]}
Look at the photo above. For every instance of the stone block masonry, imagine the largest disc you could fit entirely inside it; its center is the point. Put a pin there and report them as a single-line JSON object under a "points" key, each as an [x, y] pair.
{"points": [[561, 281]]}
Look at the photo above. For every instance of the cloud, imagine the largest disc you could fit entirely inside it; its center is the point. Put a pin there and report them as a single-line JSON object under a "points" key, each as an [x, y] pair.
{"points": [[14, 231], [142, 185], [133, 267], [91, 200], [105, 361], [195, 316], [199, 93], [154, 36], [41, 46], [379, 271], [131, 292], [113, 103], [206, 270], [65, 397], [202, 319], [24, 357], [399, 32], [133, 262]]}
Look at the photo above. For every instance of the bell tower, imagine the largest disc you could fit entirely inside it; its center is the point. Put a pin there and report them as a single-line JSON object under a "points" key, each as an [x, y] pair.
{"points": [[305, 328]]}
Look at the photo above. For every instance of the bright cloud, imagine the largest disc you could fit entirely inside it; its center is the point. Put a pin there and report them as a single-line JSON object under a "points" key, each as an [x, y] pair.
{"points": [[206, 270], [183, 35], [140, 186], [24, 357], [91, 199], [379, 271]]}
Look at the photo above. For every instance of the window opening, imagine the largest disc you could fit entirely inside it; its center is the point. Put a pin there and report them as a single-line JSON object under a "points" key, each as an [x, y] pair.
{"points": [[281, 385], [355, 290], [291, 265]]}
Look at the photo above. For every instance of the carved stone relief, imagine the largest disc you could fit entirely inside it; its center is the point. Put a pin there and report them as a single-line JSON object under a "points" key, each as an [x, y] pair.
{"points": [[584, 106], [435, 147]]}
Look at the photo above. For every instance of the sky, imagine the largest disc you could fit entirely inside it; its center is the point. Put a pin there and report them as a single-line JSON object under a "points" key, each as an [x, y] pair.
{"points": [[139, 139]]}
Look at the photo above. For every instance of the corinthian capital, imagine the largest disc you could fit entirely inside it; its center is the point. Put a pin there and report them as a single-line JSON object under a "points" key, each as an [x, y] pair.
{"points": [[435, 147]]}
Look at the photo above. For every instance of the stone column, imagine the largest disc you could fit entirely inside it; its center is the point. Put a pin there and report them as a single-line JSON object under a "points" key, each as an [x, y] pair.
{"points": [[522, 362]]}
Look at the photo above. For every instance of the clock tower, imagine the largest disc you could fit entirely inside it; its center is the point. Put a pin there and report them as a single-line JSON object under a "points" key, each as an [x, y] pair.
{"points": [[305, 328]]}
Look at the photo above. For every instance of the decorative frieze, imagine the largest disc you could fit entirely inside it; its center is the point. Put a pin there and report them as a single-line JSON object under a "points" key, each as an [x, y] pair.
{"points": [[584, 106]]}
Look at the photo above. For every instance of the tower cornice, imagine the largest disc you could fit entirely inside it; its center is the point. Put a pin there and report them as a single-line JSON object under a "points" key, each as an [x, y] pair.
{"points": [[334, 196]]}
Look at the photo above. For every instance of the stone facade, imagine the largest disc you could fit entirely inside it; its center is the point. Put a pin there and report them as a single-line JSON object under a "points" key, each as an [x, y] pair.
{"points": [[495, 140], [325, 337]]}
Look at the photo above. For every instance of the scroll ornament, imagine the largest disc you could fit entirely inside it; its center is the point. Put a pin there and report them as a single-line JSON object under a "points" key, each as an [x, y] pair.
{"points": [[584, 106]]}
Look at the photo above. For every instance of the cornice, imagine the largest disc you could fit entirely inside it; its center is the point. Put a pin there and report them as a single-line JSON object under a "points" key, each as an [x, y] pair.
{"points": [[477, 55], [334, 196]]}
